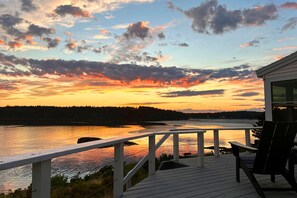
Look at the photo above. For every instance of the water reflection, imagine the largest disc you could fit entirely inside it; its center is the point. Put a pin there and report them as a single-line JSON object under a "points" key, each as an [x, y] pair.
{"points": [[18, 140]]}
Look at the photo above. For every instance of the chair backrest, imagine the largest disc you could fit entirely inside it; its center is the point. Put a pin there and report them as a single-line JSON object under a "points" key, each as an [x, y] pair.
{"points": [[275, 145]]}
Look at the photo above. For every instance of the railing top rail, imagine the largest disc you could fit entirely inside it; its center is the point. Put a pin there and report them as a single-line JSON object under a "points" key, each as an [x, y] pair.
{"points": [[180, 131], [219, 128], [28, 158]]}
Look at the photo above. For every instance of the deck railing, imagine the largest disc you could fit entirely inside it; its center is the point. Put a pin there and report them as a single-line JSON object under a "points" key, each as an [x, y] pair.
{"points": [[41, 161]]}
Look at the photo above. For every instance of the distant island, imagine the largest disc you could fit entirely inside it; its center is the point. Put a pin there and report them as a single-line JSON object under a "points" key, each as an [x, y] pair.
{"points": [[108, 116], [227, 115]]}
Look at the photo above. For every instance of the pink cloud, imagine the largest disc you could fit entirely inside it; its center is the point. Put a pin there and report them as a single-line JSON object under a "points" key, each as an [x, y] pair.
{"points": [[284, 48], [289, 5]]}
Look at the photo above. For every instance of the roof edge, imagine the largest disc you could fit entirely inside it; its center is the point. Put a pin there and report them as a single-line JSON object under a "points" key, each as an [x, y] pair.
{"points": [[277, 64]]}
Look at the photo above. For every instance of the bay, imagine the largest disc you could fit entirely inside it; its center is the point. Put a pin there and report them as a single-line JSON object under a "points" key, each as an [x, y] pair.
{"points": [[24, 139]]}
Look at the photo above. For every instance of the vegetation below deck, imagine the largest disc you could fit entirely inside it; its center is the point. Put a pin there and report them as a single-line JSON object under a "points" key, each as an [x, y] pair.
{"points": [[98, 184]]}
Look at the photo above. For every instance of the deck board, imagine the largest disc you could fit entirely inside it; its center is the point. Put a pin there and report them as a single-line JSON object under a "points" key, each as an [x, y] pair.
{"points": [[216, 179]]}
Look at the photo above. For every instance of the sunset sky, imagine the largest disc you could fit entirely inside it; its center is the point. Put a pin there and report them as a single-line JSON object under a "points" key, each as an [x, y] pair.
{"points": [[186, 55]]}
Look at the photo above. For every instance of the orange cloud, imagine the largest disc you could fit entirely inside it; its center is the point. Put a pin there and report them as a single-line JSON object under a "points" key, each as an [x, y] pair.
{"points": [[104, 31], [278, 57], [14, 44], [2, 42]]}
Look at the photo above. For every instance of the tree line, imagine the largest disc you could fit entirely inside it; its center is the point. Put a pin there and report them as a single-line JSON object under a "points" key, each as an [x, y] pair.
{"points": [[51, 115], [227, 115], [88, 115]]}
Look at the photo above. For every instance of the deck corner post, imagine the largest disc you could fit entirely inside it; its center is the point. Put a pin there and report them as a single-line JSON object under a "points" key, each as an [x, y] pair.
{"points": [[247, 137], [118, 183], [200, 137], [41, 179], [152, 155], [216, 142], [176, 146]]}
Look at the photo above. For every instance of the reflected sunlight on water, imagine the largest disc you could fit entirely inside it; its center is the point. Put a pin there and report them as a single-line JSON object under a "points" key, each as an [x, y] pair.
{"points": [[18, 140]]}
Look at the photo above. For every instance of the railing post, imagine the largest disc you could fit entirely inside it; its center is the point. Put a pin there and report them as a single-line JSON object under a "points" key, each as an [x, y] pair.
{"points": [[41, 179], [216, 142], [247, 137], [175, 146], [152, 154], [118, 183], [200, 137]]}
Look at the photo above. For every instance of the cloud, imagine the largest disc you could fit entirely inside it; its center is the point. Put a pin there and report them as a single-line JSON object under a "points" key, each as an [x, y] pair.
{"points": [[146, 103], [130, 46], [259, 99], [103, 34], [69, 34], [161, 36], [121, 26], [210, 17], [8, 23], [170, 5], [192, 93], [290, 25], [8, 85], [15, 44], [15, 38], [183, 45], [284, 48], [70, 46], [139, 29], [74, 11], [278, 57], [289, 5], [248, 94], [259, 15], [252, 43], [97, 50], [101, 37], [52, 43], [285, 39], [78, 47], [28, 6], [125, 73], [36, 30]]}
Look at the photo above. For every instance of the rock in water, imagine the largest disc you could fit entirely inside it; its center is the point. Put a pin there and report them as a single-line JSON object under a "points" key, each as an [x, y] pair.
{"points": [[87, 139]]}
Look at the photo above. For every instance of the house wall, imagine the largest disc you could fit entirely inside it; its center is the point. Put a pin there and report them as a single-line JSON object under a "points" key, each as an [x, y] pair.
{"points": [[288, 72]]}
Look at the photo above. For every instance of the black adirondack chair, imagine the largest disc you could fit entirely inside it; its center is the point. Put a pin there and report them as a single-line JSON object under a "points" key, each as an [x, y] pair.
{"points": [[270, 157]]}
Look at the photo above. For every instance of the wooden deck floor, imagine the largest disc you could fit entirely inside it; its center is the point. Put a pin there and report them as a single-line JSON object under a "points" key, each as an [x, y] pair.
{"points": [[216, 179]]}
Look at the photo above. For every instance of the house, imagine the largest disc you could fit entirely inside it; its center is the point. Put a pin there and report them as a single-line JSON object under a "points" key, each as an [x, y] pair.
{"points": [[280, 89]]}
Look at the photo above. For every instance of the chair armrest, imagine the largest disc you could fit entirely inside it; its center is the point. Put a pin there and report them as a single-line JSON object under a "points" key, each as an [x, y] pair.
{"points": [[236, 146]]}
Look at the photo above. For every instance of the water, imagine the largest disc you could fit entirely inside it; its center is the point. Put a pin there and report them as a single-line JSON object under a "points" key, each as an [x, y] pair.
{"points": [[23, 139]]}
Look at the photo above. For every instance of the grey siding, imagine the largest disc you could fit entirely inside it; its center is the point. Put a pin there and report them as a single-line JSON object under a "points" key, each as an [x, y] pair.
{"points": [[288, 70]]}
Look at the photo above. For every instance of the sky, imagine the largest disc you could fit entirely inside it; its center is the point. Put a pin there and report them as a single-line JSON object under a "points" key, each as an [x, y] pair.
{"points": [[185, 55]]}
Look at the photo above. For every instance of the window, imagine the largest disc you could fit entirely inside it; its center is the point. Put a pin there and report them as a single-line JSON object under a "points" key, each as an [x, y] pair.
{"points": [[284, 100]]}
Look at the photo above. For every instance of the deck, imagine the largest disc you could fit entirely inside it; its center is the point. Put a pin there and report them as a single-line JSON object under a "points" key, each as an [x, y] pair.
{"points": [[216, 179]]}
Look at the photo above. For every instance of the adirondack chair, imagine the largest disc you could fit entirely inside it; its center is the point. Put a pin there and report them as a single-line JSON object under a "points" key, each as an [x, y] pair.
{"points": [[271, 156]]}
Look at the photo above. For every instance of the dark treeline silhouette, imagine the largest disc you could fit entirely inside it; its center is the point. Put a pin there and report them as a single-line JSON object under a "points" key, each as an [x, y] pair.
{"points": [[227, 115], [50, 115]]}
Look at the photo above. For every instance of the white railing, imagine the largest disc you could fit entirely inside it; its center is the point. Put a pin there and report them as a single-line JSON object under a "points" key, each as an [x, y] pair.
{"points": [[41, 161]]}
